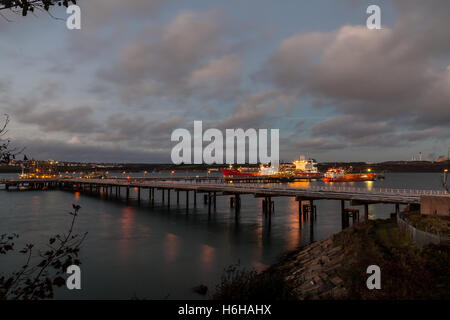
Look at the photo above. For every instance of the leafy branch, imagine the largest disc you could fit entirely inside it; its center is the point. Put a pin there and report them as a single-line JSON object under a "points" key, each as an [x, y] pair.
{"points": [[33, 280], [25, 6], [7, 153]]}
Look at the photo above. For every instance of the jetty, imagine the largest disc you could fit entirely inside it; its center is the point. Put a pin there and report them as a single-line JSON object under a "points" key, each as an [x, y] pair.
{"points": [[211, 187]]}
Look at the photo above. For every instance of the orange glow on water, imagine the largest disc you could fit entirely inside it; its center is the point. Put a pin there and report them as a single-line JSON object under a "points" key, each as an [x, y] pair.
{"points": [[208, 254], [294, 233], [126, 230], [171, 247], [77, 195]]}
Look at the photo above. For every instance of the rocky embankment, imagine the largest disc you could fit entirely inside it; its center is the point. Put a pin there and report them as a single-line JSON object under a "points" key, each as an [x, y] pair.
{"points": [[315, 272]]}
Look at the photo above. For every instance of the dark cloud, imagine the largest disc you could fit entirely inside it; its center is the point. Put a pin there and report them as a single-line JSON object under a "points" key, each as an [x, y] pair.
{"points": [[64, 151], [399, 75], [255, 110], [181, 59], [350, 127], [75, 120], [378, 88]]}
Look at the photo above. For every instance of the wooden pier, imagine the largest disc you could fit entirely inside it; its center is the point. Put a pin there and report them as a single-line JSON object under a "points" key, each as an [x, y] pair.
{"points": [[210, 188]]}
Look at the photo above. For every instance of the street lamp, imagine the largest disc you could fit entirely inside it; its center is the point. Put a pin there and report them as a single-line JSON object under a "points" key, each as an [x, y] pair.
{"points": [[445, 178]]}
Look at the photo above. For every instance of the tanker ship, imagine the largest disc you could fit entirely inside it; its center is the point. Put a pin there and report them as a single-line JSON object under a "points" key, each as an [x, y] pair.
{"points": [[339, 175], [306, 169], [299, 169], [240, 172]]}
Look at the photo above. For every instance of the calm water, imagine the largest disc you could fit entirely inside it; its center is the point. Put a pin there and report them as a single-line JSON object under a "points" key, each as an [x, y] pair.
{"points": [[157, 253]]}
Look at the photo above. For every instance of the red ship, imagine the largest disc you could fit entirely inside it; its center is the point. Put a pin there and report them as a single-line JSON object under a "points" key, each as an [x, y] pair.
{"points": [[239, 173], [339, 175]]}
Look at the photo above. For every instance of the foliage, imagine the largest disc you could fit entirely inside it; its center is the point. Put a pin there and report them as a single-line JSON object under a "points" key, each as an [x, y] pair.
{"points": [[36, 279], [7, 153], [435, 224], [25, 6], [241, 284], [407, 271]]}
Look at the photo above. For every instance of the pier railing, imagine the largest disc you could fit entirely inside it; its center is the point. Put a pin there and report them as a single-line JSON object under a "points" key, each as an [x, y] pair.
{"points": [[254, 187], [392, 191]]}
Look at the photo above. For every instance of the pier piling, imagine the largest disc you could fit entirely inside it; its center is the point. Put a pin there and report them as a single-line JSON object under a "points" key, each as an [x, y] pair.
{"points": [[168, 198]]}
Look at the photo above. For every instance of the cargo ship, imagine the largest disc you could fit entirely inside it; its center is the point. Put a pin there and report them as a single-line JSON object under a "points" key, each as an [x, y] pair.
{"points": [[339, 175], [306, 169], [240, 172], [299, 169]]}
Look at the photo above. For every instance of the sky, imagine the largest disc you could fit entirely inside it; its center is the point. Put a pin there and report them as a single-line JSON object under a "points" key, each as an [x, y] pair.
{"points": [[138, 69]]}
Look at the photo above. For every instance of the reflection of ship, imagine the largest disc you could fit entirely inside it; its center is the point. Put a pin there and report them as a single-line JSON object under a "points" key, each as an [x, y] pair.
{"points": [[339, 175]]}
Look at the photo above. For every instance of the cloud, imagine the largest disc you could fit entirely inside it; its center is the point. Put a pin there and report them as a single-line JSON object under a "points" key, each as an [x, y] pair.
{"points": [[254, 111], [75, 120], [349, 127], [42, 149], [390, 85], [181, 59]]}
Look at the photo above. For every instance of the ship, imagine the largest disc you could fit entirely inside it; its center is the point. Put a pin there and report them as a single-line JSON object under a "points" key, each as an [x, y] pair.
{"points": [[299, 169], [240, 172], [339, 175], [264, 171], [306, 168]]}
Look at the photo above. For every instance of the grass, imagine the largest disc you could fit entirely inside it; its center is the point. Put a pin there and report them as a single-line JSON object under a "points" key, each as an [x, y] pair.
{"points": [[434, 224], [407, 271], [246, 284]]}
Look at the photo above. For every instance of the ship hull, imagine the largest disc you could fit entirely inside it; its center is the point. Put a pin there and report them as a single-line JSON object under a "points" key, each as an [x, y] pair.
{"points": [[237, 173], [307, 175], [352, 177]]}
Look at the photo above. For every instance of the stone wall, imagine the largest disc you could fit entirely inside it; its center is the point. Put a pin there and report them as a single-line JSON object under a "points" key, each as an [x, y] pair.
{"points": [[435, 205]]}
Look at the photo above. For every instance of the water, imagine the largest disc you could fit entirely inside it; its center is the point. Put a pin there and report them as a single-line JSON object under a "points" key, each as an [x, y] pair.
{"points": [[160, 253]]}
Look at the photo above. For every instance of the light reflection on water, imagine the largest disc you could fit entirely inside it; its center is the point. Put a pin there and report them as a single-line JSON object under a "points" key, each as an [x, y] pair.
{"points": [[171, 247], [152, 253]]}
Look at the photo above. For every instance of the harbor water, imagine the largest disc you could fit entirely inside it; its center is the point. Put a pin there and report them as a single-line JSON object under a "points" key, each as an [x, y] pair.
{"points": [[157, 253]]}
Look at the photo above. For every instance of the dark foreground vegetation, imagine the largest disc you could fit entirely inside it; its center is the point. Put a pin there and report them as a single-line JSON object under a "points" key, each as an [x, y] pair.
{"points": [[335, 268], [439, 225], [42, 269]]}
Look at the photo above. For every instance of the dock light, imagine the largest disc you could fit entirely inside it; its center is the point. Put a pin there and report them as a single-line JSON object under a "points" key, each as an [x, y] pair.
{"points": [[173, 171], [446, 170], [369, 170]]}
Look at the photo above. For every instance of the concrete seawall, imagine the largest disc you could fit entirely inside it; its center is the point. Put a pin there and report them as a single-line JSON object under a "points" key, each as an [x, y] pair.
{"points": [[435, 205]]}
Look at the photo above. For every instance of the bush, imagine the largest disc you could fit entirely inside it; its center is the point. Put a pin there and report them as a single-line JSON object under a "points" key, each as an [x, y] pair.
{"points": [[241, 284]]}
